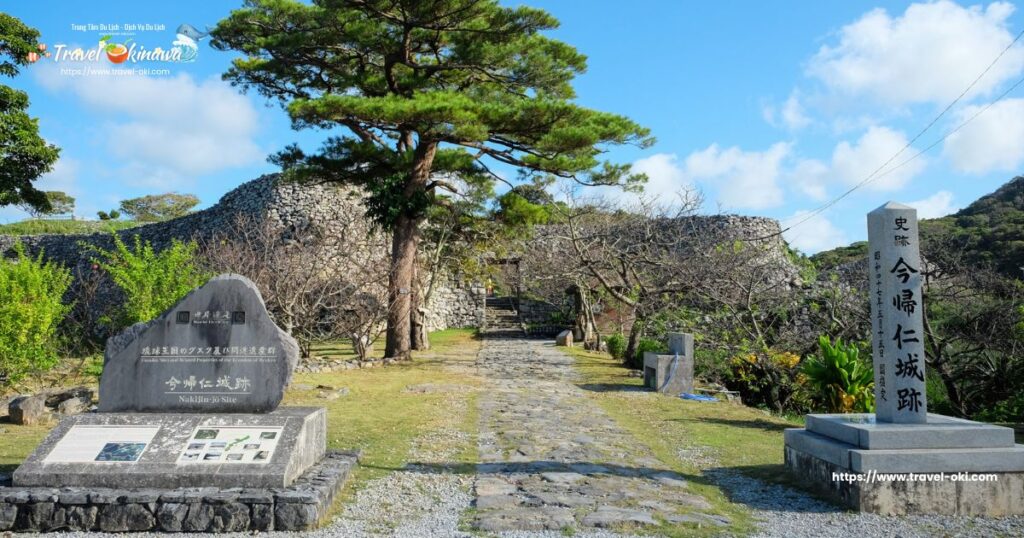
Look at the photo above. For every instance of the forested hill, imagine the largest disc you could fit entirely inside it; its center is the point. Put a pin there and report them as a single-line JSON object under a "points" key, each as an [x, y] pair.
{"points": [[990, 231]]}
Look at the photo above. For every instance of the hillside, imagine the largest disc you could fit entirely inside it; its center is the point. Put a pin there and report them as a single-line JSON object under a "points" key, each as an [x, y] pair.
{"points": [[990, 231]]}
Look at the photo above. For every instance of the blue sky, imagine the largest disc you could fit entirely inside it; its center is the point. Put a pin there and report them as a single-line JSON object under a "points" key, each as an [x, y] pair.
{"points": [[768, 108]]}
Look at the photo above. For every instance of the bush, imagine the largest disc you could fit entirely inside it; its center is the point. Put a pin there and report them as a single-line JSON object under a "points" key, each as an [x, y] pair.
{"points": [[616, 346], [770, 379], [842, 382], [31, 307], [151, 281], [647, 345]]}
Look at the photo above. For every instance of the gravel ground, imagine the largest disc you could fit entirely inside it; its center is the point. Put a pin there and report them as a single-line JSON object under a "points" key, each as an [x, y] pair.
{"points": [[786, 512]]}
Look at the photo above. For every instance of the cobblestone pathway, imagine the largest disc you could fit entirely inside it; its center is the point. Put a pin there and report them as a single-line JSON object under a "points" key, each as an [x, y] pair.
{"points": [[551, 459]]}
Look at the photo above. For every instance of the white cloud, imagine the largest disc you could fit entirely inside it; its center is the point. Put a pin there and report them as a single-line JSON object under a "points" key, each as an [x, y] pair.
{"points": [[930, 53], [745, 179], [790, 115], [937, 205], [171, 127], [994, 141], [814, 235], [63, 177], [852, 163], [810, 176], [665, 176]]}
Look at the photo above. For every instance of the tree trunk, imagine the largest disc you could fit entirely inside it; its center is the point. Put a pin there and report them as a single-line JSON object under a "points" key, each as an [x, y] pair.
{"points": [[417, 320], [635, 333], [404, 242]]}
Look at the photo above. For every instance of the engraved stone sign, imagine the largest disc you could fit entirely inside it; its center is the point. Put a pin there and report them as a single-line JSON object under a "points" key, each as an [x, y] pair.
{"points": [[896, 277], [215, 351]]}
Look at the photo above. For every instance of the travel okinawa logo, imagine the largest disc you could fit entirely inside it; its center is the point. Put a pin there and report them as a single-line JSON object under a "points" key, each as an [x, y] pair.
{"points": [[124, 50]]}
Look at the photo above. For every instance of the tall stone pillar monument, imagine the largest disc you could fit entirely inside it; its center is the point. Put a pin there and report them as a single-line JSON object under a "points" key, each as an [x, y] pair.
{"points": [[896, 279], [874, 462]]}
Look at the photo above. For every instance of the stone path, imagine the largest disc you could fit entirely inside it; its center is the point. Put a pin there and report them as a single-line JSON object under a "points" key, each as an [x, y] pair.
{"points": [[552, 460]]}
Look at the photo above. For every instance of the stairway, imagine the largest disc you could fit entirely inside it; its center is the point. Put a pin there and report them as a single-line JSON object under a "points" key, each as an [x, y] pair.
{"points": [[501, 319]]}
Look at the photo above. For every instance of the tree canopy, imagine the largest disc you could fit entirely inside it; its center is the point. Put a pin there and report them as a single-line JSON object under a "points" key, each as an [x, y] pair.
{"points": [[24, 155], [425, 96], [157, 207], [58, 203]]}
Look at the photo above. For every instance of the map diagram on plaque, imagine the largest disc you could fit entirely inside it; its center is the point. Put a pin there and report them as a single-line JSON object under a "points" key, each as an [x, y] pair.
{"points": [[111, 444], [231, 444]]}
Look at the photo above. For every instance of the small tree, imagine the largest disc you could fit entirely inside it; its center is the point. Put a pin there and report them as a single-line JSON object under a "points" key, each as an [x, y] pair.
{"points": [[24, 155], [151, 281], [60, 203], [158, 207], [31, 307]]}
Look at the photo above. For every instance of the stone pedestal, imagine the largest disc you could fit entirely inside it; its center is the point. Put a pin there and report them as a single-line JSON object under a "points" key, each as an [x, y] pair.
{"points": [[672, 373], [170, 450], [877, 467]]}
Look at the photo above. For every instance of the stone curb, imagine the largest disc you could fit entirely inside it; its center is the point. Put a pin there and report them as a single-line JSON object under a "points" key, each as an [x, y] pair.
{"points": [[298, 507]]}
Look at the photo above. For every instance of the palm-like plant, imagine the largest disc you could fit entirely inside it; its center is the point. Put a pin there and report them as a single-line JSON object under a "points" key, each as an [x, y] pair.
{"points": [[843, 382]]}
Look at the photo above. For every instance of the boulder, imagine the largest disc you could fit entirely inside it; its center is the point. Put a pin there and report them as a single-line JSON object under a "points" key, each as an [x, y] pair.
{"points": [[28, 410], [55, 398], [74, 406], [564, 338]]}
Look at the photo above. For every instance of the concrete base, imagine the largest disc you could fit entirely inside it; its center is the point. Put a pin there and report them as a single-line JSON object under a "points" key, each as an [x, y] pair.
{"points": [[296, 438], [299, 507], [668, 374], [870, 466], [1002, 496]]}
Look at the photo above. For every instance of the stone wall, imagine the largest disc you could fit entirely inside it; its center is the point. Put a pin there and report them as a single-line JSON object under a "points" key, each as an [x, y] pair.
{"points": [[289, 207]]}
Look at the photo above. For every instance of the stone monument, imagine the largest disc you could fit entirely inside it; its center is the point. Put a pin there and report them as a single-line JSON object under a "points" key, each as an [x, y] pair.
{"points": [[188, 435], [874, 462], [671, 373]]}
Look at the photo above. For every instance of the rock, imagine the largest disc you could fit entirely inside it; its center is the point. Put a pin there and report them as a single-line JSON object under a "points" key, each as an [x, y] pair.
{"points": [[699, 519], [562, 478], [125, 517], [53, 399], [230, 517], [8, 514], [295, 517], [225, 326], [494, 486], [262, 517], [34, 517], [564, 338], [81, 518], [199, 517], [607, 516], [74, 406], [28, 410], [171, 516]]}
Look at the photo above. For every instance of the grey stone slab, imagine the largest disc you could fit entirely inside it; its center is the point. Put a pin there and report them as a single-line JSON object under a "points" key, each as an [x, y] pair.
{"points": [[895, 277], [216, 350], [825, 448], [940, 431], [669, 374], [993, 498], [302, 443], [948, 460]]}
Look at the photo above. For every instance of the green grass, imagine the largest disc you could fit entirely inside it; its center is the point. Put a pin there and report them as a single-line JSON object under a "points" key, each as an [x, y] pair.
{"points": [[724, 435], [383, 419], [378, 416], [334, 349], [35, 227]]}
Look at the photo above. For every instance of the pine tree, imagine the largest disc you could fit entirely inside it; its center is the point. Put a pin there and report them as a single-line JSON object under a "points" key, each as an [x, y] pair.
{"points": [[428, 95]]}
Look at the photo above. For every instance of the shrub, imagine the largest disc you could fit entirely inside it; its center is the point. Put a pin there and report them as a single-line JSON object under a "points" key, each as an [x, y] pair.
{"points": [[31, 307], [645, 345], [770, 379], [842, 382], [151, 281], [616, 346]]}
